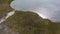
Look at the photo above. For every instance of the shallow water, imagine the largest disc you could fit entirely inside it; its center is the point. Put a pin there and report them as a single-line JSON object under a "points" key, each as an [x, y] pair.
{"points": [[47, 9], [7, 16]]}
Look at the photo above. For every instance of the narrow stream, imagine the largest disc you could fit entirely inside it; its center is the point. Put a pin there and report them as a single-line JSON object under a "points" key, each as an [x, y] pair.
{"points": [[8, 15], [4, 29]]}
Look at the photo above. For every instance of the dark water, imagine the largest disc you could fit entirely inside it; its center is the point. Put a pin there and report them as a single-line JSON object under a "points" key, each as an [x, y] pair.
{"points": [[49, 9]]}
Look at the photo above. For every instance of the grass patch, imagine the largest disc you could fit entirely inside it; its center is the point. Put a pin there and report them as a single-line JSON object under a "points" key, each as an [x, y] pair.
{"points": [[5, 6], [28, 23]]}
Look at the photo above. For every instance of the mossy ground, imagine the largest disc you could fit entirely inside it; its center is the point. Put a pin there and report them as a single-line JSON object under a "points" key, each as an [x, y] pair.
{"points": [[31, 23]]}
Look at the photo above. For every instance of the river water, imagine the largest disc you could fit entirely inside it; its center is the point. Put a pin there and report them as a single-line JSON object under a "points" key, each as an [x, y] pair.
{"points": [[47, 9], [4, 29], [7, 16]]}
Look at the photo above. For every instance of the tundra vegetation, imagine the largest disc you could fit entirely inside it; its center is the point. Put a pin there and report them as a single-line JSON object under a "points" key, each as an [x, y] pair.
{"points": [[28, 22], [5, 6]]}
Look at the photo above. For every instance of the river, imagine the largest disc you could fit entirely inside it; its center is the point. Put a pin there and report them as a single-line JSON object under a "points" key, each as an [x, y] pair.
{"points": [[47, 9]]}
